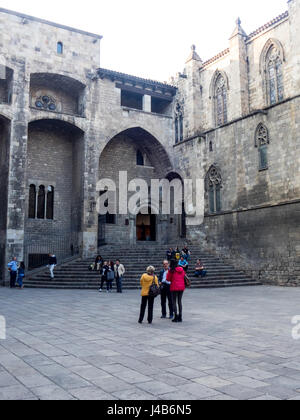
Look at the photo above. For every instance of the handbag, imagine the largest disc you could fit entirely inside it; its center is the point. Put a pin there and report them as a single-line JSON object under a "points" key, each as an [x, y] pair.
{"points": [[187, 281], [154, 290]]}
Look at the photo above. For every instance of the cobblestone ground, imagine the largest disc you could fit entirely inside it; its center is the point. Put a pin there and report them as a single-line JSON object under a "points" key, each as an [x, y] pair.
{"points": [[234, 344]]}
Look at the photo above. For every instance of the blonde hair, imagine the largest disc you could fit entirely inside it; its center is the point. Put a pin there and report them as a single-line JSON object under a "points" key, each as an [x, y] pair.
{"points": [[150, 270]]}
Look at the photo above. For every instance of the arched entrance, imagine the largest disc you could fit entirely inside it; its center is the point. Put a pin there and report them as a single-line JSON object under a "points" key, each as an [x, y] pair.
{"points": [[141, 156], [54, 190]]}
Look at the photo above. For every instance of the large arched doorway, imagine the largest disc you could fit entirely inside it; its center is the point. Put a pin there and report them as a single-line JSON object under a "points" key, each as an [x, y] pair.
{"points": [[141, 156], [54, 190]]}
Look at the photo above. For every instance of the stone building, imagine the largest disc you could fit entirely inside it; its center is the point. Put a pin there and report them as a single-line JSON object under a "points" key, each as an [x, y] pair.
{"points": [[233, 120]]}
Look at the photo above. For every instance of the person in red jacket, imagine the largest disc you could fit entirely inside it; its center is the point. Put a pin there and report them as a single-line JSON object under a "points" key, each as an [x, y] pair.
{"points": [[176, 278]]}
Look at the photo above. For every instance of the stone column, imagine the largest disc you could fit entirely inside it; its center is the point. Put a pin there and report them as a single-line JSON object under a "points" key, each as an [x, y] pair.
{"points": [[17, 186], [147, 103], [294, 21]]}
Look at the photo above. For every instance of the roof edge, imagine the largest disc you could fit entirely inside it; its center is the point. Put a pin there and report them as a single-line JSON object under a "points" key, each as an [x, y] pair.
{"points": [[47, 22]]}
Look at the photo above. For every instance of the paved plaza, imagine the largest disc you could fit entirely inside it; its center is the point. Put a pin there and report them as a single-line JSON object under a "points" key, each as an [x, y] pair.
{"points": [[234, 344]]}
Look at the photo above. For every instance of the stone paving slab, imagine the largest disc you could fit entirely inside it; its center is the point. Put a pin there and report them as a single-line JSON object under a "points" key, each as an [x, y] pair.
{"points": [[234, 344]]}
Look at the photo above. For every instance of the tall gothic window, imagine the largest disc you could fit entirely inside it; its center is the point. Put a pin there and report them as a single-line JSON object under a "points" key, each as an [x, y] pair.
{"points": [[32, 202], [214, 186], [41, 202], [262, 141], [274, 76], [221, 100], [50, 203]]}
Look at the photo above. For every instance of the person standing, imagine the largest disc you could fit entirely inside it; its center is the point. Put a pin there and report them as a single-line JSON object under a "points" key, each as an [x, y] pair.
{"points": [[52, 263], [147, 280], [110, 276], [104, 272], [21, 275], [165, 291], [119, 274], [176, 277], [13, 271]]}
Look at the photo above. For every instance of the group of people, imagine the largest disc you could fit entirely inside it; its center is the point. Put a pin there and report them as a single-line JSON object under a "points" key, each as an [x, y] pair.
{"points": [[17, 273], [172, 284], [110, 271], [183, 257]]}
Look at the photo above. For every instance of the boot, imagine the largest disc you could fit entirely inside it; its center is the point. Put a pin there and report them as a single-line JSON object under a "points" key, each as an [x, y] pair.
{"points": [[175, 318], [179, 318]]}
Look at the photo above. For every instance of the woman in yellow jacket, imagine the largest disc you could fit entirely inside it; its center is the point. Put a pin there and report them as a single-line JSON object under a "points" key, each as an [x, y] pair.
{"points": [[146, 281]]}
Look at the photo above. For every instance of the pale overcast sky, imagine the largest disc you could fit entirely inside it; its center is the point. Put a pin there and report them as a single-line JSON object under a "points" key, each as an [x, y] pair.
{"points": [[152, 39]]}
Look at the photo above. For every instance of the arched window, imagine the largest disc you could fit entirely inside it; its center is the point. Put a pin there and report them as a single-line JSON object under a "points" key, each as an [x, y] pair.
{"points": [[60, 48], [32, 202], [262, 141], [41, 201], [213, 187], [50, 203], [274, 76], [220, 95], [140, 158]]}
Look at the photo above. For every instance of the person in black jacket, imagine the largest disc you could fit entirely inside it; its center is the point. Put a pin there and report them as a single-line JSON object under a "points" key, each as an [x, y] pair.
{"points": [[52, 263], [104, 271], [165, 291]]}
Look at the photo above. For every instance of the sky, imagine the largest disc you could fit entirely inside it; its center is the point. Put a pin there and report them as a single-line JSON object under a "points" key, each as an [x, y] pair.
{"points": [[153, 39]]}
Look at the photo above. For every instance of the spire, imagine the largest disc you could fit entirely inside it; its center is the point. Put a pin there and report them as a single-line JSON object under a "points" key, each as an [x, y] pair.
{"points": [[238, 29], [193, 55]]}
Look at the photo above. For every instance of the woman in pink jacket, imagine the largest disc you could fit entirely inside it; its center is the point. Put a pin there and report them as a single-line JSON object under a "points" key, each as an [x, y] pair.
{"points": [[176, 278]]}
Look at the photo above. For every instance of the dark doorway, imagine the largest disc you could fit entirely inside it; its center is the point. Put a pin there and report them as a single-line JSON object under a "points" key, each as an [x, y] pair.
{"points": [[146, 227]]}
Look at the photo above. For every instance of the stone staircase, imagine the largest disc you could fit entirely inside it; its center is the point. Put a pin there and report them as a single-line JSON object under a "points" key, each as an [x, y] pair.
{"points": [[75, 274]]}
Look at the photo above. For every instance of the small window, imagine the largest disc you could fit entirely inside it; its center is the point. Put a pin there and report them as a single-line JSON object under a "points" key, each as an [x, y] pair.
{"points": [[60, 48], [211, 148], [140, 158]]}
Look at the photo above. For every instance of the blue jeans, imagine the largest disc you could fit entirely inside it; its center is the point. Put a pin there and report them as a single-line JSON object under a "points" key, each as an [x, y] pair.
{"points": [[119, 284], [20, 280], [201, 273]]}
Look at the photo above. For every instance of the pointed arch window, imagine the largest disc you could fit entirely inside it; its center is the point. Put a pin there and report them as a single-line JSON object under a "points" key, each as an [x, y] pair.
{"points": [[274, 75], [262, 141], [41, 202], [32, 202], [214, 186], [221, 100]]}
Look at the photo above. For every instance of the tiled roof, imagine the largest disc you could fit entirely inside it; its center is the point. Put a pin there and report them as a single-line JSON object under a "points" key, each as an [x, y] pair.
{"points": [[216, 57], [252, 35], [123, 76], [269, 24]]}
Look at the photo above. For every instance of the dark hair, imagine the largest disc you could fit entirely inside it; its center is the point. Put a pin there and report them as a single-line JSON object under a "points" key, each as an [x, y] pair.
{"points": [[22, 265], [173, 265]]}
